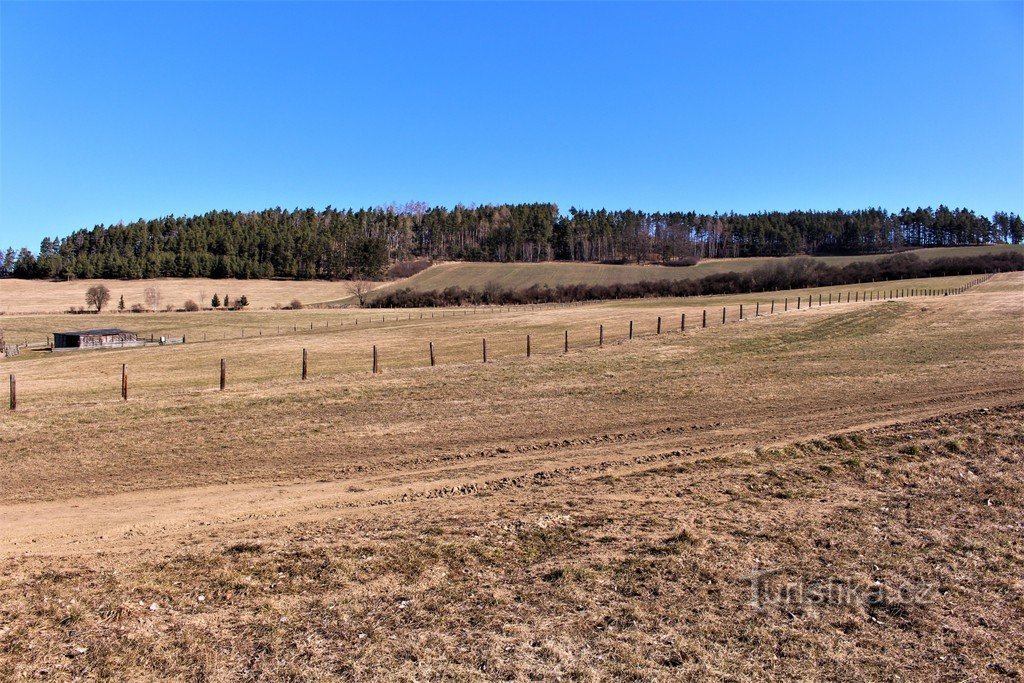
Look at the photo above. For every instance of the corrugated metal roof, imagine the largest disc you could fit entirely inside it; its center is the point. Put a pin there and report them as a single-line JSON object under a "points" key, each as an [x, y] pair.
{"points": [[104, 331]]}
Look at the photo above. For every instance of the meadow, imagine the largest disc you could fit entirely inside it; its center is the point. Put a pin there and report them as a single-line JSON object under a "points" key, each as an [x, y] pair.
{"points": [[523, 275], [598, 514], [41, 296]]}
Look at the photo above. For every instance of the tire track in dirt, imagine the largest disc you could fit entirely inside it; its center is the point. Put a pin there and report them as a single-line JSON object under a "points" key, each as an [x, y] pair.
{"points": [[124, 522]]}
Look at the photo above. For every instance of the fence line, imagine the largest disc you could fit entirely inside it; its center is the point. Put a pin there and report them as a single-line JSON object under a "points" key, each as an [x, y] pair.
{"points": [[868, 296]]}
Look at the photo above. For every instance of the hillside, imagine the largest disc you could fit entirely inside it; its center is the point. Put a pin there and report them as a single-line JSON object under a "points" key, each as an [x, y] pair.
{"points": [[522, 275], [36, 296]]}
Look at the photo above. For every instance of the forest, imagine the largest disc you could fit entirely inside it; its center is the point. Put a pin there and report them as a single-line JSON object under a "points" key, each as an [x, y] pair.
{"points": [[361, 243]]}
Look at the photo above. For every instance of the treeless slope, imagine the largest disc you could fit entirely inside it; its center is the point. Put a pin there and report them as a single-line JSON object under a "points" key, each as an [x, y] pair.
{"points": [[522, 275], [43, 296], [598, 515]]}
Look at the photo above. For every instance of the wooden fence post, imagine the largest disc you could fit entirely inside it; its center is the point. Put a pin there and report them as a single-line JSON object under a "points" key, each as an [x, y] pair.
{"points": [[819, 299], [223, 374], [757, 309], [566, 342], [303, 364], [431, 354], [704, 321], [14, 393], [630, 329], [798, 303], [741, 311], [785, 304], [723, 315], [772, 311], [527, 346], [682, 323], [600, 335], [375, 367], [124, 381], [485, 349]]}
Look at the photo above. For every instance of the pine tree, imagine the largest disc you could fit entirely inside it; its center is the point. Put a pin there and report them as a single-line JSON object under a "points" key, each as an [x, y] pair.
{"points": [[120, 304], [215, 302]]}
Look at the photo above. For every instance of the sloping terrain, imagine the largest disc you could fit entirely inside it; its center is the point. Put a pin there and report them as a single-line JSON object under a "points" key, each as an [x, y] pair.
{"points": [[523, 275], [606, 513]]}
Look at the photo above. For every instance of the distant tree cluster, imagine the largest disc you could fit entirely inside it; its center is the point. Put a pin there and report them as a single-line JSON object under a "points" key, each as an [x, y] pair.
{"points": [[792, 273], [361, 244]]}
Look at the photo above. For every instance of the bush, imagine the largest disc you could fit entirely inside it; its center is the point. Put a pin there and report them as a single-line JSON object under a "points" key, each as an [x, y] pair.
{"points": [[295, 305], [683, 261], [138, 308], [407, 268], [191, 306]]}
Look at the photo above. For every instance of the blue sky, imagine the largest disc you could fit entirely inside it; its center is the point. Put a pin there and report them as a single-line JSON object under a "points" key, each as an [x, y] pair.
{"points": [[118, 111]]}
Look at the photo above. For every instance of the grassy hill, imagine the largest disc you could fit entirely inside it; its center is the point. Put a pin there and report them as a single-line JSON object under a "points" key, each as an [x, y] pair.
{"points": [[520, 275]]}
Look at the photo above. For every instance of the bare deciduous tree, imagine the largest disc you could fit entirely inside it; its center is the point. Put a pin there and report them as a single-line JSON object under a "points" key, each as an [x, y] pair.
{"points": [[360, 289], [152, 297], [97, 296]]}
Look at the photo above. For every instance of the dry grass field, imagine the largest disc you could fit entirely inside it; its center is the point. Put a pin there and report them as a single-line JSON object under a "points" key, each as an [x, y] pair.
{"points": [[830, 493], [522, 275], [41, 296], [36, 296]]}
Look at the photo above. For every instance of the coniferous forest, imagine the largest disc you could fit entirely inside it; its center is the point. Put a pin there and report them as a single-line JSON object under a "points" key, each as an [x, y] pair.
{"points": [[346, 243]]}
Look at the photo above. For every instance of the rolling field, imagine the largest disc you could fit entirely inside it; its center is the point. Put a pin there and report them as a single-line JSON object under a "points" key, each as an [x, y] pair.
{"points": [[40, 296], [522, 275], [831, 493]]}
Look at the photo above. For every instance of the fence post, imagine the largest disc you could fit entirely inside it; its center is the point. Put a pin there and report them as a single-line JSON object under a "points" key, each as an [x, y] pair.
{"points": [[14, 393], [785, 304], [704, 321], [600, 335], [830, 297], [741, 311], [772, 311], [630, 329], [682, 323], [223, 374], [431, 354], [485, 349], [659, 324], [124, 381], [303, 364], [375, 359], [757, 309], [819, 299], [566, 342], [798, 303], [527, 346], [723, 315]]}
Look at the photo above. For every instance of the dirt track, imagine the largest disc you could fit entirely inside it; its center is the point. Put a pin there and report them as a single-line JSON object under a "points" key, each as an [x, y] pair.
{"points": [[750, 386]]}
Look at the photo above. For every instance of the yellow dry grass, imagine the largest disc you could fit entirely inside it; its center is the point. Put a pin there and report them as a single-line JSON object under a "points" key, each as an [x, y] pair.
{"points": [[523, 275], [41, 296], [587, 516]]}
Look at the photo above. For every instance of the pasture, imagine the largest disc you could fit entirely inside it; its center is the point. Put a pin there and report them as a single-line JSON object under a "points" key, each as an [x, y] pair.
{"points": [[523, 275], [591, 515], [39, 296]]}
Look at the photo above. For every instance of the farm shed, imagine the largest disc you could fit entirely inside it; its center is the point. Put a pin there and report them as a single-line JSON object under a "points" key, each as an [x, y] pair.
{"points": [[94, 339]]}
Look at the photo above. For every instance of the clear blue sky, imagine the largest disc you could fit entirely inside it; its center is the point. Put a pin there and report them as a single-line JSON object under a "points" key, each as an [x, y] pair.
{"points": [[118, 111]]}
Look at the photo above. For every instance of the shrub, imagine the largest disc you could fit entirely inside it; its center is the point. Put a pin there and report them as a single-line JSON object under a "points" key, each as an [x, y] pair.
{"points": [[407, 268], [295, 305], [138, 308], [191, 306]]}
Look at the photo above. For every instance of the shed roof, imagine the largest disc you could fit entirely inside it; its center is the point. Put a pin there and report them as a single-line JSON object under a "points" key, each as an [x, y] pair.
{"points": [[102, 331]]}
